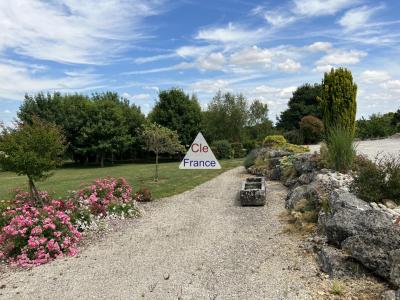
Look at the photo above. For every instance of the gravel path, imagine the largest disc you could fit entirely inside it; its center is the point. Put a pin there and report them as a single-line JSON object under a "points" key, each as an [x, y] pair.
{"points": [[197, 245], [372, 148]]}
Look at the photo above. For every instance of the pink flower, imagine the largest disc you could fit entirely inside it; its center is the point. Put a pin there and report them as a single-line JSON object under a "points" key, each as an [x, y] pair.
{"points": [[33, 242], [36, 230], [52, 245]]}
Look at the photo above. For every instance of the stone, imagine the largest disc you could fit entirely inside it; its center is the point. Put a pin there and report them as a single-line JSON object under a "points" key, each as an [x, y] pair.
{"points": [[341, 198], [275, 173], [338, 264], [304, 163], [390, 203], [253, 191], [394, 261], [306, 178], [388, 295], [299, 193], [278, 153]]}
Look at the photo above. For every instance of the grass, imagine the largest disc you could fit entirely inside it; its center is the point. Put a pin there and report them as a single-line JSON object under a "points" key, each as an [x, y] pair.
{"points": [[337, 288], [341, 149], [172, 179]]}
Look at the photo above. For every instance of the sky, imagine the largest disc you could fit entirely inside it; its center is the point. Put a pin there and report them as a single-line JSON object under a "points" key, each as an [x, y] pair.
{"points": [[262, 49]]}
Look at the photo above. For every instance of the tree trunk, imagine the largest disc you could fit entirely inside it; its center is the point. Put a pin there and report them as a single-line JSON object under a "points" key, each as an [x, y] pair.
{"points": [[33, 190], [102, 160], [156, 177]]}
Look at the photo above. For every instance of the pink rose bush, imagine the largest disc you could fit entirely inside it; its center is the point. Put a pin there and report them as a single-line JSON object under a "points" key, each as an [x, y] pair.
{"points": [[36, 235], [36, 232]]}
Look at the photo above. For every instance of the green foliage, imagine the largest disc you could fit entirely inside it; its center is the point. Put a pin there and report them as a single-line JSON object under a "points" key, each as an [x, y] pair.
{"points": [[250, 159], [32, 150], [341, 149], [302, 103], [287, 168], [295, 148], [338, 100], [311, 129], [238, 150], [226, 117], [275, 141], [82, 118], [379, 180], [159, 139], [177, 111], [222, 149], [258, 113], [376, 126], [294, 136]]}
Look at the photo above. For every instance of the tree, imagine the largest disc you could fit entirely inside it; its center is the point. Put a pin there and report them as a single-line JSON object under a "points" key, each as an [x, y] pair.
{"points": [[311, 129], [303, 102], [177, 111], [338, 100], [377, 125], [107, 130], [226, 117], [32, 150], [258, 113], [159, 139]]}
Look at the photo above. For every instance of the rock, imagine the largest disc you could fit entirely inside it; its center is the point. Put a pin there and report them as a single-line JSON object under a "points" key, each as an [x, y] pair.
{"points": [[338, 264], [306, 178], [394, 261], [275, 173], [390, 203], [341, 198], [388, 295], [331, 181], [278, 153], [291, 182], [299, 193], [304, 163]]}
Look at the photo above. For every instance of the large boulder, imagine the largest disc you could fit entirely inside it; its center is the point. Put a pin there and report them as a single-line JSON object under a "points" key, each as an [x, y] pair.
{"points": [[337, 263], [394, 261], [365, 233], [301, 192]]}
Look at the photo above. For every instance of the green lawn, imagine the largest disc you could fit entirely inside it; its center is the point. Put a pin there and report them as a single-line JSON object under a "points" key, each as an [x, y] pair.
{"points": [[172, 179]]}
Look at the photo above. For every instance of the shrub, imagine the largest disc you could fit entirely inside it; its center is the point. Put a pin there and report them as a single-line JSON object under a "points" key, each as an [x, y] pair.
{"points": [[338, 100], [103, 192], [36, 235], [222, 149], [311, 129], [296, 148], [341, 149], [275, 141], [376, 126], [250, 159], [294, 137], [249, 145], [379, 180], [238, 150], [143, 195]]}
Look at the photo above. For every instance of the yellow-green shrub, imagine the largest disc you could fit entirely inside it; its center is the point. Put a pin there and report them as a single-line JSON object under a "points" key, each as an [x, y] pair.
{"points": [[274, 141]]}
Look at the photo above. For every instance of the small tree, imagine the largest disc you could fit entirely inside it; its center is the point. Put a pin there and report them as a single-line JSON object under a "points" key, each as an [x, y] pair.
{"points": [[159, 140], [32, 150], [338, 100]]}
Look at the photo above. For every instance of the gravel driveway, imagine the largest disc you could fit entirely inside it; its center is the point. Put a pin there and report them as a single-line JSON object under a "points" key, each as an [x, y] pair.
{"points": [[372, 148], [196, 245]]}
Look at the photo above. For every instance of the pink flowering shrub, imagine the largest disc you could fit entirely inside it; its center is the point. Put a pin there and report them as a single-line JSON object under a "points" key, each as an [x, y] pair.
{"points": [[36, 235], [102, 193]]}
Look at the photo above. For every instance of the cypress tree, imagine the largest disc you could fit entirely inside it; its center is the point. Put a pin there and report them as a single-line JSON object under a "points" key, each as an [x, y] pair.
{"points": [[338, 100]]}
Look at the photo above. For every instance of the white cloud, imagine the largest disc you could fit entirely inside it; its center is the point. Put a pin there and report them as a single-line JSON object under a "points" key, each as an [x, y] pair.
{"points": [[320, 46], [252, 56], [321, 7], [277, 18], [393, 85], [180, 66], [215, 61], [147, 59], [342, 57], [136, 97], [374, 76], [229, 34], [72, 31], [194, 51], [289, 65], [357, 17], [18, 80], [209, 86], [322, 68]]}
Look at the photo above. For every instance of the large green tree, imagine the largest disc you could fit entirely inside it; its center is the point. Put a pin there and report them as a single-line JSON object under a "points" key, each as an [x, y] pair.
{"points": [[338, 100], [32, 150], [226, 117], [302, 103], [178, 111], [107, 129]]}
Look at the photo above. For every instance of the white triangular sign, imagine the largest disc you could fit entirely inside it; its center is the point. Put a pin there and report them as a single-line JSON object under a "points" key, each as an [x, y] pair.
{"points": [[199, 156]]}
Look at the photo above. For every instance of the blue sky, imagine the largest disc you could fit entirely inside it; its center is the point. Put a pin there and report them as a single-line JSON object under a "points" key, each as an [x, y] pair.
{"points": [[263, 49]]}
